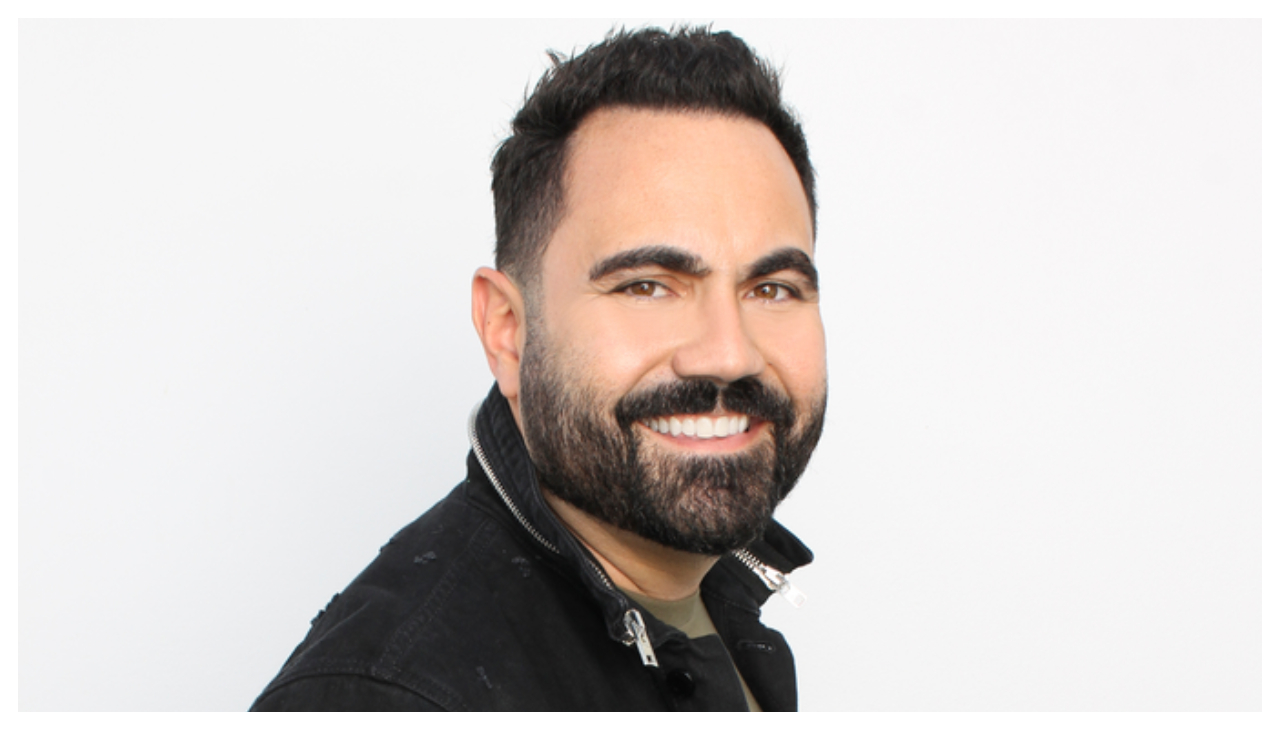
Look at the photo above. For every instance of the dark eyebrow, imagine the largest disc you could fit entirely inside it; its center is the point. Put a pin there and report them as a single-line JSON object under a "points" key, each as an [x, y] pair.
{"points": [[782, 260], [664, 257]]}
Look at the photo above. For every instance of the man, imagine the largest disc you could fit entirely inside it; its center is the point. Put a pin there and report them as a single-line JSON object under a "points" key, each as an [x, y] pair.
{"points": [[653, 327]]}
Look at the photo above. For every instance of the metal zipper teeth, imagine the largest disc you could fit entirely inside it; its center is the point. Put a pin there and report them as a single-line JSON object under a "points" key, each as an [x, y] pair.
{"points": [[776, 581], [493, 479], [754, 564], [511, 505]]}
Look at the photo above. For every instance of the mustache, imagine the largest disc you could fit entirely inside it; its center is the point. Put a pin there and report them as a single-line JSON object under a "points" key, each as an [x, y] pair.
{"points": [[748, 396]]}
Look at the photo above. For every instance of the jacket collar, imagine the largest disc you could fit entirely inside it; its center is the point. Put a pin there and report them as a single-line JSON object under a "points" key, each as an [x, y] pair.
{"points": [[500, 450]]}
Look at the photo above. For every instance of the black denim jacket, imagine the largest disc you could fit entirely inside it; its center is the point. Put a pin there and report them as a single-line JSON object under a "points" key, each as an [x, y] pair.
{"points": [[486, 602]]}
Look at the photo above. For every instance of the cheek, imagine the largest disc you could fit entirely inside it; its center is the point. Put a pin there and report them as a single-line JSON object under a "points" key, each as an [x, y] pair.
{"points": [[796, 350], [618, 349]]}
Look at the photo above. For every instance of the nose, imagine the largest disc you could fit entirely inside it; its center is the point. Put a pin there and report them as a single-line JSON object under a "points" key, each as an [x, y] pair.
{"points": [[718, 346]]}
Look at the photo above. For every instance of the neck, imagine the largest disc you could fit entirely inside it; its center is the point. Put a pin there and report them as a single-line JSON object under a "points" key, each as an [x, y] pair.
{"points": [[632, 562]]}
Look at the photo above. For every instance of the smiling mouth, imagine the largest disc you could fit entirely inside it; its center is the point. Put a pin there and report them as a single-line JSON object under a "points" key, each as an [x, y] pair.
{"points": [[702, 427]]}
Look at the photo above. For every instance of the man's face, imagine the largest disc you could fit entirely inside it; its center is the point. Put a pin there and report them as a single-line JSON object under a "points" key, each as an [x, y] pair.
{"points": [[674, 379]]}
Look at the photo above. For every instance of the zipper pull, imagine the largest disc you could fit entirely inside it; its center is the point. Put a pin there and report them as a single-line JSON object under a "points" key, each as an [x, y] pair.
{"points": [[639, 637], [778, 583]]}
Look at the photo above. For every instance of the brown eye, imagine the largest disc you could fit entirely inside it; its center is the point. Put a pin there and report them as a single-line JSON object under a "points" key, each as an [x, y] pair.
{"points": [[772, 292], [644, 289]]}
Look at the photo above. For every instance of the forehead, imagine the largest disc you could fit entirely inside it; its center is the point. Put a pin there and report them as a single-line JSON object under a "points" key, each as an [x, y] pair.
{"points": [[720, 186]]}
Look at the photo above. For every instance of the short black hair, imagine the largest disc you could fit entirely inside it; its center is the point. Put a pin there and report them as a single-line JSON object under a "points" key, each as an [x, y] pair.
{"points": [[686, 69]]}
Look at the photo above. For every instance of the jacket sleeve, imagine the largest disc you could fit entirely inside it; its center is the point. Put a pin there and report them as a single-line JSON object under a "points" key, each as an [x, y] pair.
{"points": [[341, 693]]}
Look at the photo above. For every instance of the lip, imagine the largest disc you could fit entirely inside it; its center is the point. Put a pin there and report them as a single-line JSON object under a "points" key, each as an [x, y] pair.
{"points": [[719, 444]]}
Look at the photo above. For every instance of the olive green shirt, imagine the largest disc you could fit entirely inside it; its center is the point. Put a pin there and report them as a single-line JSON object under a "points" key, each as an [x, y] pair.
{"points": [[690, 616]]}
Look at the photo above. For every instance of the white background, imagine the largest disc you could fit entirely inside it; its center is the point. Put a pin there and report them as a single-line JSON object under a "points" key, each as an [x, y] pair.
{"points": [[247, 359]]}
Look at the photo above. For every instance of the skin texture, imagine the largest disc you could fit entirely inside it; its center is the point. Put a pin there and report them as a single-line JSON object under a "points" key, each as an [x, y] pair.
{"points": [[722, 193]]}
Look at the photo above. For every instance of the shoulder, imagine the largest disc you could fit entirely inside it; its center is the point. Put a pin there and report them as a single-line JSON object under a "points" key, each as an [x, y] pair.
{"points": [[434, 619], [363, 650]]}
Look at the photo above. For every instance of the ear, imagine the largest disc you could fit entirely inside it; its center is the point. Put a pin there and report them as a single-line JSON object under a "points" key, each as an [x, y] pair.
{"points": [[497, 311]]}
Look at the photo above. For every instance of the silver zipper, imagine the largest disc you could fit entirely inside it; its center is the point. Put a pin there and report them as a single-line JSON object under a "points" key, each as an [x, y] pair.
{"points": [[493, 479], [636, 634], [775, 579], [639, 637]]}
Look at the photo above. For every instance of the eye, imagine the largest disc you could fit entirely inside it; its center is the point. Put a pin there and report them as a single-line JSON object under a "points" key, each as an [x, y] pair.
{"points": [[644, 290], [774, 292]]}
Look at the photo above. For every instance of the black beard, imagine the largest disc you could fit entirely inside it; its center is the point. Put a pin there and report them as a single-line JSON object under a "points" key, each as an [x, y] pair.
{"points": [[710, 505]]}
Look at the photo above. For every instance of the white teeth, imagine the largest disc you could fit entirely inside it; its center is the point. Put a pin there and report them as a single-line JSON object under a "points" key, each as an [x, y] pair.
{"points": [[704, 427]]}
